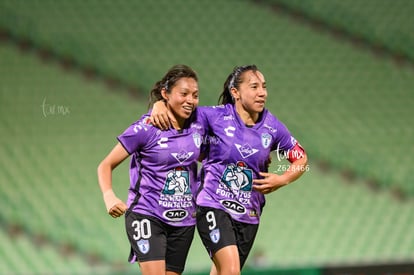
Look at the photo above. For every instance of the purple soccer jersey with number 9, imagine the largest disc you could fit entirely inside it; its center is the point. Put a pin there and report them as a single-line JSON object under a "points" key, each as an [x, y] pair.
{"points": [[236, 155]]}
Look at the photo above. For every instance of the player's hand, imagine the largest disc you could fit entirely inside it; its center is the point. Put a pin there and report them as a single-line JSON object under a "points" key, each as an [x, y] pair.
{"points": [[161, 117], [118, 210], [114, 206], [269, 183]]}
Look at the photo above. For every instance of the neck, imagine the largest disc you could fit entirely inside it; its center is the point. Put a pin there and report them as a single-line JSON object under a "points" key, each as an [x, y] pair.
{"points": [[179, 124], [247, 117]]}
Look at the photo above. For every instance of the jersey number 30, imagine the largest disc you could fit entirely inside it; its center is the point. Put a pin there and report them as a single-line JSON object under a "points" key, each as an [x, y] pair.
{"points": [[142, 229]]}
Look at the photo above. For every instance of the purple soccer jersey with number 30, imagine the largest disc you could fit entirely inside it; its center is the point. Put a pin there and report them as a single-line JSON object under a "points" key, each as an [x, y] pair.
{"points": [[236, 153], [163, 170]]}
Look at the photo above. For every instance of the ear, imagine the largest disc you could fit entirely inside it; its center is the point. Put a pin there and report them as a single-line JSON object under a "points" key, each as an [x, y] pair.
{"points": [[235, 93], [164, 94]]}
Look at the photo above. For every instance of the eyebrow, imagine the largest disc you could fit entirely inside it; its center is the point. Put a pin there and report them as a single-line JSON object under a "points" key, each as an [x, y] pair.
{"points": [[188, 90], [256, 82]]}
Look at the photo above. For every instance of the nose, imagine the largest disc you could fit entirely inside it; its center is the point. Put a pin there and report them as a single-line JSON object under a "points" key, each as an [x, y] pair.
{"points": [[263, 92], [190, 99]]}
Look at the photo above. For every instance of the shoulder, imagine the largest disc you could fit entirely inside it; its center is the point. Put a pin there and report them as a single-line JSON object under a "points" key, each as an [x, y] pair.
{"points": [[273, 123], [143, 126], [137, 134], [214, 110], [270, 118], [211, 115]]}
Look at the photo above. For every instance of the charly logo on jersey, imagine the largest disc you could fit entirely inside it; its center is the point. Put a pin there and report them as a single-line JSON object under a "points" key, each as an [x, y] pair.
{"points": [[266, 140], [162, 142], [229, 131], [177, 182], [143, 246], [246, 150], [237, 177], [141, 126], [182, 155]]}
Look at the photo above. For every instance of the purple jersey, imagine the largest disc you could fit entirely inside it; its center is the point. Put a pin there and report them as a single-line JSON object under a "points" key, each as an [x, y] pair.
{"points": [[163, 170], [236, 155]]}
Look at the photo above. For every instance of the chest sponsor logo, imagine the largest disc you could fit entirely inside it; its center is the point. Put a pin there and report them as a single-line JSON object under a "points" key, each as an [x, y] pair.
{"points": [[176, 193], [175, 214], [246, 150], [237, 177], [182, 156], [235, 187], [177, 182], [233, 206]]}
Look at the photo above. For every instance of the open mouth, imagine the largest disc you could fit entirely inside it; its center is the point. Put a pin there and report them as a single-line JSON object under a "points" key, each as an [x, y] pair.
{"points": [[188, 108]]}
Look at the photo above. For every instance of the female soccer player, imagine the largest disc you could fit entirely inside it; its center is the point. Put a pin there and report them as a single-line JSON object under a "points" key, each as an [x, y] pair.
{"points": [[234, 176], [160, 210]]}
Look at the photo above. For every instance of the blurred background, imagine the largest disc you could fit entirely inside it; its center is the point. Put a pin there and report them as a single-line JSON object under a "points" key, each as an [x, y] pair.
{"points": [[340, 74]]}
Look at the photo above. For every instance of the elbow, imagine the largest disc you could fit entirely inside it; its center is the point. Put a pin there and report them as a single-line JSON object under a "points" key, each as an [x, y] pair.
{"points": [[102, 169], [303, 162], [305, 159]]}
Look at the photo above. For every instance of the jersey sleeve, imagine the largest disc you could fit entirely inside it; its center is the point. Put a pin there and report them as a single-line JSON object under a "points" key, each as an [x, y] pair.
{"points": [[136, 135], [287, 146], [284, 140], [202, 118], [202, 115]]}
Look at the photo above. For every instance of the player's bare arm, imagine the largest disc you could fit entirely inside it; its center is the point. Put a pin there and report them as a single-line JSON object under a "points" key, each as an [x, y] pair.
{"points": [[114, 206]]}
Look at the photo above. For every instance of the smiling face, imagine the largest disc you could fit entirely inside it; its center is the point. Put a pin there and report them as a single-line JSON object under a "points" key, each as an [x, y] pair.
{"points": [[182, 98], [250, 96]]}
